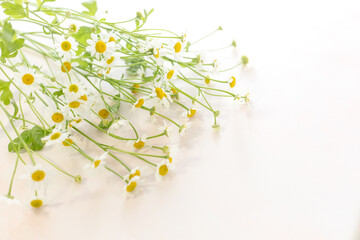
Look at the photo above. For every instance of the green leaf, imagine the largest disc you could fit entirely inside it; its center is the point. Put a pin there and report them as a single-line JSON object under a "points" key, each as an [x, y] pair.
{"points": [[18, 2], [9, 44], [31, 137], [6, 94], [40, 3], [83, 34], [14, 10], [91, 6]]}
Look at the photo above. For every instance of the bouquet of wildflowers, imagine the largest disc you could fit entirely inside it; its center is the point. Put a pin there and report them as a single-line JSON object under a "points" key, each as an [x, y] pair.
{"points": [[69, 77]]}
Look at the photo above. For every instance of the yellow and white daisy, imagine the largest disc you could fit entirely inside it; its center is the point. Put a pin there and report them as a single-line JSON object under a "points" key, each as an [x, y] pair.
{"points": [[168, 130], [37, 202], [64, 68], [190, 112], [232, 82], [56, 136], [10, 200], [184, 128], [140, 172], [37, 173], [99, 46], [163, 169], [99, 161], [132, 185], [57, 116], [158, 51], [66, 46], [116, 125], [77, 103], [140, 143], [28, 80], [160, 97], [100, 110]]}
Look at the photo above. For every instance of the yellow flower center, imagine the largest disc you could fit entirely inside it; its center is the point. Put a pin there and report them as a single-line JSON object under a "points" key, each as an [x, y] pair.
{"points": [[136, 173], [108, 69], [66, 46], [112, 39], [100, 46], [84, 97], [74, 104], [173, 90], [73, 88], [157, 55], [104, 113], [110, 60], [191, 113], [134, 88], [57, 117], [66, 67], [97, 163], [55, 136], [36, 203], [177, 47], [67, 142], [38, 175], [163, 170], [233, 82], [207, 80], [139, 144], [170, 159], [170, 74], [131, 186], [28, 79], [139, 103], [160, 93]]}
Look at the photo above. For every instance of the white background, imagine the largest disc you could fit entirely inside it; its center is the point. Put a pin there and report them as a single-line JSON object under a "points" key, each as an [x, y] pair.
{"points": [[285, 167]]}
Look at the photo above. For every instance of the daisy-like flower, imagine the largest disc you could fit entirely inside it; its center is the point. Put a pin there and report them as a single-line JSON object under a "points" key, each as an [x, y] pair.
{"points": [[78, 103], [99, 161], [163, 169], [179, 48], [65, 67], [37, 202], [68, 142], [56, 136], [138, 104], [232, 82], [190, 112], [99, 46], [158, 51], [140, 143], [138, 172], [66, 46], [216, 67], [116, 125], [37, 173], [168, 130], [132, 185], [28, 80], [184, 128], [100, 109], [111, 37], [58, 116], [200, 61], [161, 98], [10, 200]]}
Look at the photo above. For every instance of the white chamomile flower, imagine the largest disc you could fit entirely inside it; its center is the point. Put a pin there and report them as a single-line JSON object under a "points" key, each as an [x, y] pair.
{"points": [[56, 136], [232, 82], [57, 116], [116, 125], [100, 110], [37, 202], [139, 143], [165, 128], [68, 142], [163, 169], [99, 46], [66, 46], [190, 112], [201, 60], [138, 104], [99, 161], [132, 185], [28, 80], [37, 173], [179, 48], [160, 97], [110, 37], [78, 104], [65, 67], [158, 51], [138, 172], [184, 128], [10, 200], [216, 67]]}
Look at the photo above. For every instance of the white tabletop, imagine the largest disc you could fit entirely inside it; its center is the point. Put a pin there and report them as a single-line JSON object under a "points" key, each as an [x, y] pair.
{"points": [[285, 167]]}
